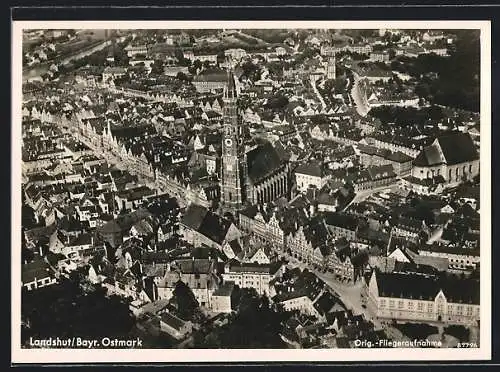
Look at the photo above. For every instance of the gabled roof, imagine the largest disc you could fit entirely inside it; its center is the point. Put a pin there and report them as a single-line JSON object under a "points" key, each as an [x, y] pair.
{"points": [[426, 287], [172, 321], [214, 227], [195, 265], [429, 156], [325, 303], [35, 270], [250, 268], [458, 148], [235, 246], [341, 220], [311, 169], [262, 161], [454, 148], [194, 216]]}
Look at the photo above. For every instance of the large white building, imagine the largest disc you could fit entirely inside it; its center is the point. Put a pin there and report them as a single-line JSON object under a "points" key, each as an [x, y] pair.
{"points": [[419, 297], [310, 175], [235, 53], [249, 276]]}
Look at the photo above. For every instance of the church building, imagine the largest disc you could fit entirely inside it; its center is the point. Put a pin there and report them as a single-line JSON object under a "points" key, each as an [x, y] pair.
{"points": [[452, 156], [255, 174]]}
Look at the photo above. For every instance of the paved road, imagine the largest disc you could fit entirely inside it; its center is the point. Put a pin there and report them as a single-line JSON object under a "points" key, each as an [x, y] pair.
{"points": [[313, 83], [362, 106], [365, 194], [436, 235], [350, 294]]}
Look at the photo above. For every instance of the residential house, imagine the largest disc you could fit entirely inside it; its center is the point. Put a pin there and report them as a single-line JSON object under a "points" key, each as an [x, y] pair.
{"points": [[310, 174], [175, 326], [307, 238], [375, 177], [410, 229], [342, 225], [198, 274], [37, 274], [200, 226], [221, 298]]}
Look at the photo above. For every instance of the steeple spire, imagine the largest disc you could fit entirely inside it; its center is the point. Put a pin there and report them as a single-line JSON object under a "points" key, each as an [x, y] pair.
{"points": [[230, 88]]}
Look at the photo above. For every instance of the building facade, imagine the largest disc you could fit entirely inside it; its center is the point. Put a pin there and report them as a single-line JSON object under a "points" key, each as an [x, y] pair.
{"points": [[403, 296]]}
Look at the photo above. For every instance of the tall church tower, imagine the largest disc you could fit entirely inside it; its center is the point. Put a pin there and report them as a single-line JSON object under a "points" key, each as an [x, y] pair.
{"points": [[330, 68], [231, 177]]}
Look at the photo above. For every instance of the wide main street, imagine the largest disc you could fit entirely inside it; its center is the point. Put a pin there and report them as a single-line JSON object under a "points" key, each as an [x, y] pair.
{"points": [[349, 294]]}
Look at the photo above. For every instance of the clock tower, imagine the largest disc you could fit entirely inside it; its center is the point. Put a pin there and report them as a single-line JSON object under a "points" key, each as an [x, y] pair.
{"points": [[231, 175]]}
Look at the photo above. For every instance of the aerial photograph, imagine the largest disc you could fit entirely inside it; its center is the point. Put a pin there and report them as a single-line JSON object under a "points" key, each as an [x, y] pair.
{"points": [[250, 188]]}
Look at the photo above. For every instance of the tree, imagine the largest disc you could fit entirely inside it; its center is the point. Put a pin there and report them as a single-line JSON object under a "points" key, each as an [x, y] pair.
{"points": [[63, 310], [180, 57], [206, 64], [184, 300], [250, 70], [183, 77], [197, 64], [120, 55], [157, 67], [235, 297], [221, 56], [277, 102]]}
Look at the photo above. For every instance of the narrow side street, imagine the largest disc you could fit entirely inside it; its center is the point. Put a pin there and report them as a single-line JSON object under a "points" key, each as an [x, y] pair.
{"points": [[313, 83]]}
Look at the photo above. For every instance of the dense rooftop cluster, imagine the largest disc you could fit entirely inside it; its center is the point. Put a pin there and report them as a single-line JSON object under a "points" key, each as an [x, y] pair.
{"points": [[346, 174]]}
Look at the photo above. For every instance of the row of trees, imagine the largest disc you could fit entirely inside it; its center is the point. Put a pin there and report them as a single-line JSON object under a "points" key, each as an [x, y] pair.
{"points": [[255, 325], [456, 78], [65, 310], [407, 116]]}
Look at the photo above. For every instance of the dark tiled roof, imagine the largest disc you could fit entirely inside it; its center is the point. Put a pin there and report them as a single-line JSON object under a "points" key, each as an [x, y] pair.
{"points": [[262, 161], [311, 169], [429, 156], [235, 246], [416, 286], [250, 268], [224, 290], [458, 148], [341, 220], [325, 303], [379, 172], [214, 227], [192, 266], [409, 224], [172, 320], [220, 77], [250, 212], [37, 269], [110, 227], [317, 233], [194, 216]]}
